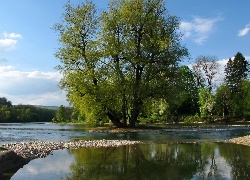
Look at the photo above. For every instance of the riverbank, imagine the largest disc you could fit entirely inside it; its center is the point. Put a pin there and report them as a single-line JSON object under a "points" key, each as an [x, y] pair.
{"points": [[169, 128], [245, 140]]}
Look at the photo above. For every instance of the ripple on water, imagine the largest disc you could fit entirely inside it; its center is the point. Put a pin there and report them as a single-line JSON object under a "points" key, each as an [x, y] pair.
{"points": [[23, 132]]}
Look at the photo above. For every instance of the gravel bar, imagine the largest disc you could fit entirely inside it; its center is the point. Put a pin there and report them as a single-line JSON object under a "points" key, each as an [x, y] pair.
{"points": [[41, 149], [245, 140]]}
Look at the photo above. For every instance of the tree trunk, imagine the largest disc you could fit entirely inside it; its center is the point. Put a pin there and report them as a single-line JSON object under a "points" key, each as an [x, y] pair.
{"points": [[114, 119], [136, 110], [136, 98], [124, 110], [134, 116]]}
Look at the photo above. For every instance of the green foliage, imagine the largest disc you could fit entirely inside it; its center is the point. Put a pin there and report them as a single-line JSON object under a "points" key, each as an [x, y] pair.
{"points": [[236, 71], [188, 93], [246, 100], [235, 78], [5, 102], [192, 119], [63, 114], [207, 102], [122, 64], [154, 111], [223, 101], [24, 113], [113, 63]]}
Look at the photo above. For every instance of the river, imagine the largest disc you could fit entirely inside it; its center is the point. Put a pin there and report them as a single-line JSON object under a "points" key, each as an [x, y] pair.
{"points": [[161, 157]]}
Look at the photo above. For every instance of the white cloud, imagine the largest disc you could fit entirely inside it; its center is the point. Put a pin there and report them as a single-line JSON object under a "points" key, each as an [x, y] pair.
{"points": [[31, 87], [199, 28], [44, 75], [56, 98], [8, 42], [244, 31], [222, 64], [11, 35], [5, 68]]}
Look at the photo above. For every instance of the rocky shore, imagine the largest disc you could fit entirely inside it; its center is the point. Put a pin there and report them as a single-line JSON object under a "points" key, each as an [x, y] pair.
{"points": [[245, 140], [16, 155], [41, 149]]}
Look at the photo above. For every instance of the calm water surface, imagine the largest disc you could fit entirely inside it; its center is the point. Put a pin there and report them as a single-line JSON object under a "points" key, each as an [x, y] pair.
{"points": [[160, 158]]}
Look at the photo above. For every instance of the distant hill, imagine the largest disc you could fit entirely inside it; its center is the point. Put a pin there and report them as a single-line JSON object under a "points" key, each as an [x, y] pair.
{"points": [[47, 107]]}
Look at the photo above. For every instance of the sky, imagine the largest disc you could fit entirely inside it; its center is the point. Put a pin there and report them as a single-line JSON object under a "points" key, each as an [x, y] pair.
{"points": [[28, 42]]}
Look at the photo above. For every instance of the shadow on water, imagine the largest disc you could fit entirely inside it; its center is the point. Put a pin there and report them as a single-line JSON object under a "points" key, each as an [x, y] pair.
{"points": [[147, 161]]}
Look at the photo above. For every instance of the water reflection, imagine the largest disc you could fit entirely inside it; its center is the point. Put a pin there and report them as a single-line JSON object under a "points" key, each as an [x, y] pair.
{"points": [[159, 160], [162, 161]]}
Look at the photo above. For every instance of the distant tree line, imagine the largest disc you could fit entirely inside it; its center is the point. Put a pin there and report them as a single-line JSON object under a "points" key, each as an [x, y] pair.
{"points": [[23, 113]]}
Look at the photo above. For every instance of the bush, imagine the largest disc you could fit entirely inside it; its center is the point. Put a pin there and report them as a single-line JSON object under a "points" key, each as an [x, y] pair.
{"points": [[192, 119]]}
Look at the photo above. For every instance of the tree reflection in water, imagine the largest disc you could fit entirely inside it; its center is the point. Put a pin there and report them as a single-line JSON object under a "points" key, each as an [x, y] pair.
{"points": [[162, 161]]}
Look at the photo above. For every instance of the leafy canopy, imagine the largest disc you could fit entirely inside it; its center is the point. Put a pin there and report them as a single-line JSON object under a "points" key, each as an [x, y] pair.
{"points": [[115, 60], [236, 71]]}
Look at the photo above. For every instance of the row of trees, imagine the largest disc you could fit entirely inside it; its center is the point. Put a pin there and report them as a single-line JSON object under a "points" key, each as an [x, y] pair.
{"points": [[123, 65], [23, 113], [231, 98]]}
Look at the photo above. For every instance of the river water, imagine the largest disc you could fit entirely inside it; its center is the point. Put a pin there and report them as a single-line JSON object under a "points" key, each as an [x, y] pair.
{"points": [[162, 157]]}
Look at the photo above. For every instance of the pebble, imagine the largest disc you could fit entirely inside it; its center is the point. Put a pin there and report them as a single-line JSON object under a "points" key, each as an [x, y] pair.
{"points": [[245, 140], [41, 149]]}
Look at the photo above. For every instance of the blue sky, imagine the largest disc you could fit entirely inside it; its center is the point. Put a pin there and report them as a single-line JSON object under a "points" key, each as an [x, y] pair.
{"points": [[28, 42]]}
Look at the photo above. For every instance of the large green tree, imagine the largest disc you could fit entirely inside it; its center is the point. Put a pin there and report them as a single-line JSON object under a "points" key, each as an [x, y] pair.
{"points": [[207, 102], [223, 101], [188, 93], [236, 71], [114, 61]]}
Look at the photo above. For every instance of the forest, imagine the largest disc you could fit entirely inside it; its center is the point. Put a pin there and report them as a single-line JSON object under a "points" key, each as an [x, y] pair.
{"points": [[23, 113]]}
